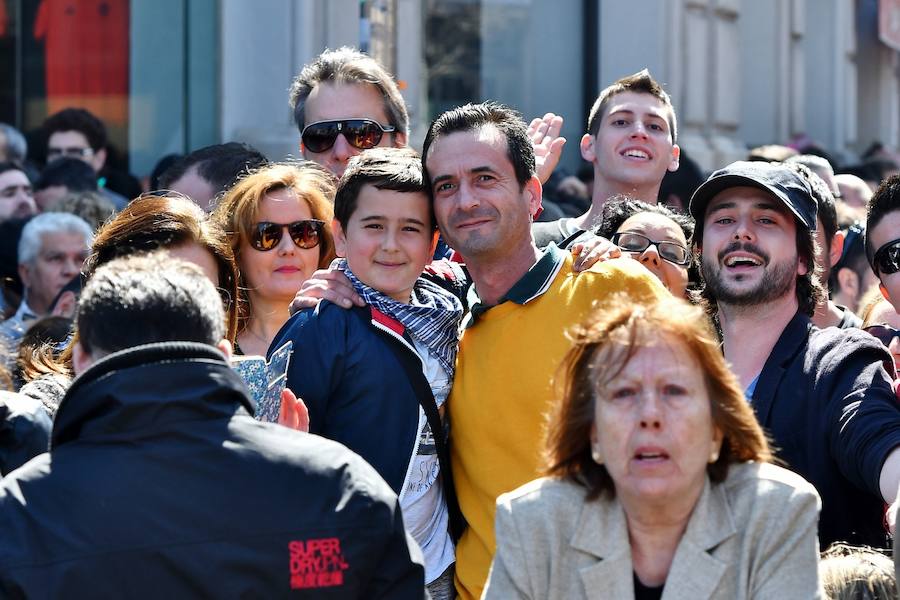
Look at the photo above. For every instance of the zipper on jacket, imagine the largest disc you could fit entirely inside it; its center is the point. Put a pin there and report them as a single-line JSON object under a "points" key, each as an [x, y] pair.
{"points": [[421, 412]]}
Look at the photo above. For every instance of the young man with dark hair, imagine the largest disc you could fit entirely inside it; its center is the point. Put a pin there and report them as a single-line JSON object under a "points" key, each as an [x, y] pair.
{"points": [[134, 500], [16, 193], [830, 243], [852, 277], [480, 169], [883, 238], [206, 173], [822, 394], [631, 143], [76, 133]]}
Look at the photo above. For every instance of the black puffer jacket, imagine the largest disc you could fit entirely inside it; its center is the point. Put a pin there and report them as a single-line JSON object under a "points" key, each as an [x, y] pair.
{"points": [[24, 430], [160, 484]]}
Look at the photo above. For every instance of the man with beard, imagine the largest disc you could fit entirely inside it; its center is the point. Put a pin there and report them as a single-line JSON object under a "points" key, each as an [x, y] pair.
{"points": [[822, 394]]}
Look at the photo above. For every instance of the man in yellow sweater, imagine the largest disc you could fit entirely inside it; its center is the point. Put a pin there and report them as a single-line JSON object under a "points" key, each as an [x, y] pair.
{"points": [[480, 166]]}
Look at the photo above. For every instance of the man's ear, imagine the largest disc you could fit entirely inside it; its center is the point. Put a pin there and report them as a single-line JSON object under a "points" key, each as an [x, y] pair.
{"points": [[81, 359], [884, 291], [587, 147], [400, 140], [340, 239], [676, 158], [535, 191], [99, 159], [225, 346], [848, 282], [837, 247], [25, 275], [66, 305], [803, 267]]}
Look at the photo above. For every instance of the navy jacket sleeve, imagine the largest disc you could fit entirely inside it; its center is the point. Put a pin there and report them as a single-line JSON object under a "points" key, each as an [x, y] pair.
{"points": [[862, 410], [317, 361]]}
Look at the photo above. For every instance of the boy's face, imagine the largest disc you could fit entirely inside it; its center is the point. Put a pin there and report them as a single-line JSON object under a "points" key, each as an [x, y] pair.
{"points": [[388, 240], [887, 230]]}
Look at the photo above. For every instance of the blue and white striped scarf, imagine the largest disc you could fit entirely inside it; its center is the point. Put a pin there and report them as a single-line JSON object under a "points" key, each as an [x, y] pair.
{"points": [[432, 317]]}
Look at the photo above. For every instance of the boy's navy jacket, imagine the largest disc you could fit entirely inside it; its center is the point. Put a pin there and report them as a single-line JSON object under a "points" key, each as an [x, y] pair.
{"points": [[160, 483], [352, 369]]}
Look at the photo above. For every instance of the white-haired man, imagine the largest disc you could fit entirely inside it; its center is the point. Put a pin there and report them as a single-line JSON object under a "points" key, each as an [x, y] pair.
{"points": [[52, 249]]}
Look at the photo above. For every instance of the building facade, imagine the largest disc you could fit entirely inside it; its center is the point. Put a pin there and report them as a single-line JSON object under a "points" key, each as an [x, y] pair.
{"points": [[741, 73]]}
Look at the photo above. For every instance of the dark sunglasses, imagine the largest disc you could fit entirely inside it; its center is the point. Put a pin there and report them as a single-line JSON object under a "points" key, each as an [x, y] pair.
{"points": [[362, 134], [304, 234], [887, 258], [635, 242], [884, 333]]}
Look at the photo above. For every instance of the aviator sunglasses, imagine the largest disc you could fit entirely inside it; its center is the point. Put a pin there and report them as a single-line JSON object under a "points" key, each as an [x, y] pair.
{"points": [[362, 134], [884, 333], [305, 234], [887, 258], [635, 242]]}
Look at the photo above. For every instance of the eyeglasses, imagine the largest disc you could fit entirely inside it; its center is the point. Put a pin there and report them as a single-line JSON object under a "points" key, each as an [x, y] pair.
{"points": [[887, 258], [305, 234], [635, 242], [362, 134], [72, 152], [884, 333]]}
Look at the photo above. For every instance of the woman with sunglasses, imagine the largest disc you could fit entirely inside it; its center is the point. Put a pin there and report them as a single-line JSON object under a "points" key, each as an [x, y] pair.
{"points": [[652, 234], [278, 222]]}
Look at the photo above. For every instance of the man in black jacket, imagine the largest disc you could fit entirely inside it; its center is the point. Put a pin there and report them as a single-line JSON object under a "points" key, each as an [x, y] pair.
{"points": [[823, 395], [159, 482]]}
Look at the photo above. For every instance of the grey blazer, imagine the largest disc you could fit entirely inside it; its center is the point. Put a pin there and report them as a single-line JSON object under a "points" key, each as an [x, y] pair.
{"points": [[751, 536]]}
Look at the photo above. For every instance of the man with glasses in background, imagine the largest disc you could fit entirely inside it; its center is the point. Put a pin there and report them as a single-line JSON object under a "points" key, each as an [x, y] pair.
{"points": [[76, 133]]}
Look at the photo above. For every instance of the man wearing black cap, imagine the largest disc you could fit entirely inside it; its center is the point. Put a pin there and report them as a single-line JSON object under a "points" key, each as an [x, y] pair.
{"points": [[822, 394]]}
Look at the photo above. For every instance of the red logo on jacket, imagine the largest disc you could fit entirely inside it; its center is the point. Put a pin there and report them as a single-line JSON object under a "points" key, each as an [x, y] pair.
{"points": [[317, 563]]}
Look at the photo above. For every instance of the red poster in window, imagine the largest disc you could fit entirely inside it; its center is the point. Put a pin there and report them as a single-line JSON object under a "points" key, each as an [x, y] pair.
{"points": [[86, 43]]}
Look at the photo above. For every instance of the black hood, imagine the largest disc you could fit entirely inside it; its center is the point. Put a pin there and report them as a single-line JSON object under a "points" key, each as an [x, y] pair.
{"points": [[146, 386]]}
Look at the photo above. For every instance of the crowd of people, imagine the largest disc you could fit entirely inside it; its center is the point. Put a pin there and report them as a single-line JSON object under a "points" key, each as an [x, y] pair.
{"points": [[504, 382]]}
